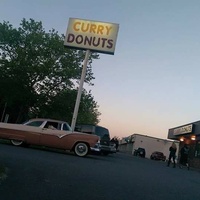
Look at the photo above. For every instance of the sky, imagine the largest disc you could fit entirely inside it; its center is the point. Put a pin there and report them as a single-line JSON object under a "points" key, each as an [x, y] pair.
{"points": [[151, 83]]}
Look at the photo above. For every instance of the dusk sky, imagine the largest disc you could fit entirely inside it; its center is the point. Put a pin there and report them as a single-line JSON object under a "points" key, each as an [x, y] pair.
{"points": [[151, 82]]}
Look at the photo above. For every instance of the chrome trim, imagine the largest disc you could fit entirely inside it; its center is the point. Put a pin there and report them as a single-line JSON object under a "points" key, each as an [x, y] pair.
{"points": [[95, 149]]}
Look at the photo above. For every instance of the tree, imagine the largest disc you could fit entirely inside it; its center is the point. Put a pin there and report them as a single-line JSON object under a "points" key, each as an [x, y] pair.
{"points": [[62, 106], [36, 70]]}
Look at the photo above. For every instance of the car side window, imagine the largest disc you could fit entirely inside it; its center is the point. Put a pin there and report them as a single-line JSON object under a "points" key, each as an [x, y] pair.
{"points": [[51, 125], [66, 127], [86, 129]]}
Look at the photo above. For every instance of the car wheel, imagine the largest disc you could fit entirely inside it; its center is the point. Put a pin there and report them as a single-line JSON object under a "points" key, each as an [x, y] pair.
{"points": [[81, 149], [17, 142]]}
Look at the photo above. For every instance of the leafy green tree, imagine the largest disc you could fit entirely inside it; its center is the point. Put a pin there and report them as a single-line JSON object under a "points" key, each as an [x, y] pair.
{"points": [[62, 106], [36, 70]]}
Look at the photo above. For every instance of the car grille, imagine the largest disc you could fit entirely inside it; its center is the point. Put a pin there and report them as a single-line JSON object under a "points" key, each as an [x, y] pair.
{"points": [[105, 142]]}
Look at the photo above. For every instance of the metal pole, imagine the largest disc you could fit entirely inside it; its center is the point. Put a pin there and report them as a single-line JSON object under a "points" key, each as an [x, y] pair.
{"points": [[78, 98]]}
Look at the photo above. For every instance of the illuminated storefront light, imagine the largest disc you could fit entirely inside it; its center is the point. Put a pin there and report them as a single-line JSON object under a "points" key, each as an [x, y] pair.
{"points": [[193, 137]]}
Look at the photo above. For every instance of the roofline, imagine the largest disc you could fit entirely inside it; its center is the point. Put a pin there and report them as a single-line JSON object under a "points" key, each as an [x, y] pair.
{"points": [[185, 124], [92, 125], [46, 119], [152, 137]]}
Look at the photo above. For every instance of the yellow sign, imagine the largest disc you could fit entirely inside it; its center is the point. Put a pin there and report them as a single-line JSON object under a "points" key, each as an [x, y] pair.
{"points": [[91, 35]]}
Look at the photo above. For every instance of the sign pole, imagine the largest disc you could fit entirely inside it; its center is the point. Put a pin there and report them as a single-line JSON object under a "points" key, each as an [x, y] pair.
{"points": [[88, 34], [78, 98]]}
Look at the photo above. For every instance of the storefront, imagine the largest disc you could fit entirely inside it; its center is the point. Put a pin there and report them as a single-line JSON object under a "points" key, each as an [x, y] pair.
{"points": [[188, 134]]}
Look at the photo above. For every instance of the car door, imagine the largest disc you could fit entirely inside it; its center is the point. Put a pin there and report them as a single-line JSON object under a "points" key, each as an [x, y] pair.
{"points": [[32, 131], [32, 134], [53, 137]]}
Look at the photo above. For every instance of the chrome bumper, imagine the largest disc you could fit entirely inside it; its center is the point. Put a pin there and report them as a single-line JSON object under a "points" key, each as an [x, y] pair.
{"points": [[96, 149]]}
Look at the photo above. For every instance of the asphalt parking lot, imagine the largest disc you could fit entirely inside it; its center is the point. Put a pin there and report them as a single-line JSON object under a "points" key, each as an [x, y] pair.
{"points": [[47, 175]]}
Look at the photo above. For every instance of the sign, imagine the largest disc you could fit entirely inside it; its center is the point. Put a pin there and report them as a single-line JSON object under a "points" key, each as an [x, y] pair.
{"points": [[91, 35], [183, 130]]}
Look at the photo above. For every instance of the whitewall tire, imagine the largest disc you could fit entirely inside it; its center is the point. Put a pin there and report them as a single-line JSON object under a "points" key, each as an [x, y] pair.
{"points": [[17, 142], [81, 149]]}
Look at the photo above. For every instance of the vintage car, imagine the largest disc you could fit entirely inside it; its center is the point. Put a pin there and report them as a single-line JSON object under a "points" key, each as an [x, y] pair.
{"points": [[141, 152], [100, 131], [156, 155], [50, 133]]}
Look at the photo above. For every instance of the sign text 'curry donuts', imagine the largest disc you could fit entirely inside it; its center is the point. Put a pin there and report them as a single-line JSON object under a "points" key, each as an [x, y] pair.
{"points": [[93, 35]]}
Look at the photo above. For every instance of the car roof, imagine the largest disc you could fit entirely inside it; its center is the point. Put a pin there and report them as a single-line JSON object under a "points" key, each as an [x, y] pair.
{"points": [[91, 125], [46, 119]]}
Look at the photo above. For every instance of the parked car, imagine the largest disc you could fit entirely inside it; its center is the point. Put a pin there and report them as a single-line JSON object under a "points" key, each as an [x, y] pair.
{"points": [[100, 131], [140, 152], [158, 156], [50, 133]]}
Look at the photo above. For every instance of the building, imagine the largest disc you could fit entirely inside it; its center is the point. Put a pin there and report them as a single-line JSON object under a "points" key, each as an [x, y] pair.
{"points": [[188, 134], [150, 144]]}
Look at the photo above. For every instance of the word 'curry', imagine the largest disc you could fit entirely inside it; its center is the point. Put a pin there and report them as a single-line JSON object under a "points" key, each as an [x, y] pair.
{"points": [[98, 29]]}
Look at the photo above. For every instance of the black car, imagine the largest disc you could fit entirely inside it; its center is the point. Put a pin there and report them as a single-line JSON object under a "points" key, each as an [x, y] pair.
{"points": [[140, 152], [157, 155], [100, 131]]}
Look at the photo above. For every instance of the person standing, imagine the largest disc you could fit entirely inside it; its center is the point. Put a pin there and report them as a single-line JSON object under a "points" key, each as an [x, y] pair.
{"points": [[116, 143], [184, 156], [172, 154]]}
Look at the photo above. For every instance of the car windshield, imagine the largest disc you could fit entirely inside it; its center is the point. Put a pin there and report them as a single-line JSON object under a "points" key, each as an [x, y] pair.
{"points": [[160, 153], [102, 132], [141, 149]]}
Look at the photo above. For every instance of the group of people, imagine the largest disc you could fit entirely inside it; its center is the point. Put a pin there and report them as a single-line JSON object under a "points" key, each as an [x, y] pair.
{"points": [[116, 142], [183, 161]]}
